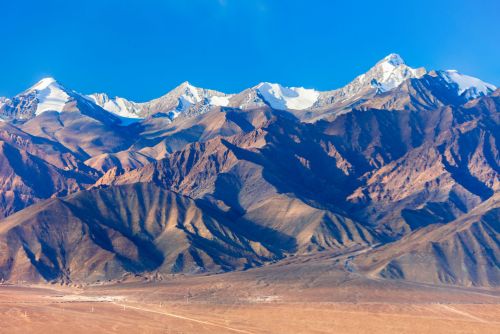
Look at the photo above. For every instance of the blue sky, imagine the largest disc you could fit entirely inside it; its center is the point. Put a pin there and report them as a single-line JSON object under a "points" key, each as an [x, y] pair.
{"points": [[142, 49]]}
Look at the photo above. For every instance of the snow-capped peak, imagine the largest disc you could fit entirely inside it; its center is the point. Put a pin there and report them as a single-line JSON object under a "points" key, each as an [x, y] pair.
{"points": [[390, 72], [186, 95], [190, 94], [195, 95], [387, 74], [44, 83], [182, 99], [466, 85], [393, 59], [283, 98], [50, 95]]}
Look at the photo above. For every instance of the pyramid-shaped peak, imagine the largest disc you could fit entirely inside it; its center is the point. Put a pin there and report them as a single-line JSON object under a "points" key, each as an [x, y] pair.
{"points": [[186, 84], [394, 59], [44, 83], [185, 88], [387, 74]]}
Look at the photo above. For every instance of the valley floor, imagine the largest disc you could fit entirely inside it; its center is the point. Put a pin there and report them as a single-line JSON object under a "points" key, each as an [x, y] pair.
{"points": [[280, 298]]}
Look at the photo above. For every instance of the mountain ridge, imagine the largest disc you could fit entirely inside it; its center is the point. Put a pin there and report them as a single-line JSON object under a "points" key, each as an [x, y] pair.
{"points": [[386, 75], [199, 181]]}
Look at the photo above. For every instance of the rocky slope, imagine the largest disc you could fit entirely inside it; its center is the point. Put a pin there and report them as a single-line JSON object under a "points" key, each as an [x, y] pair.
{"points": [[463, 252], [146, 229], [143, 228]]}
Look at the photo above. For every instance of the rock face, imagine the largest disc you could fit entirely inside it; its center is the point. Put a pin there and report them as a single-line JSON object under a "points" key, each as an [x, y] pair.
{"points": [[401, 163]]}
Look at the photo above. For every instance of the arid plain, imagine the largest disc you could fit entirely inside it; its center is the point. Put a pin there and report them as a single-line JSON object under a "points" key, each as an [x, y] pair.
{"points": [[311, 298]]}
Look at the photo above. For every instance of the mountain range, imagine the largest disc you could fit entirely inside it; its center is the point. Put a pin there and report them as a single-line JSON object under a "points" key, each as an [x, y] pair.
{"points": [[400, 167]]}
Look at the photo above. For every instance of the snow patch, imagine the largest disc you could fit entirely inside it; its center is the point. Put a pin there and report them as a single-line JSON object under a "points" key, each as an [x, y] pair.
{"points": [[221, 101], [118, 106], [283, 98], [127, 111]]}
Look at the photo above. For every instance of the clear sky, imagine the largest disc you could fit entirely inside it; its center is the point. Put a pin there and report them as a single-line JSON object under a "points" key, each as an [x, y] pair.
{"points": [[140, 49]]}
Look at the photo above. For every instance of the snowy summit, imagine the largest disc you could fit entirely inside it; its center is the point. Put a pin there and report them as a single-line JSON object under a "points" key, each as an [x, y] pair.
{"points": [[50, 95]]}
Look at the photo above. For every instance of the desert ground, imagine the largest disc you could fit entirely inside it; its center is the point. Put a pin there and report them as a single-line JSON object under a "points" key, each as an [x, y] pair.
{"points": [[303, 297]]}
